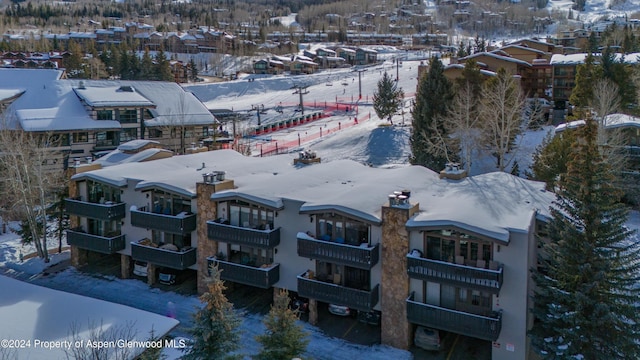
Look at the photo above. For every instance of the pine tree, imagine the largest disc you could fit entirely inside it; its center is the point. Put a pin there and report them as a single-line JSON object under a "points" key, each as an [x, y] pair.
{"points": [[193, 70], [163, 68], [586, 75], [586, 296], [284, 339], [388, 98], [551, 158], [433, 99], [215, 332]]}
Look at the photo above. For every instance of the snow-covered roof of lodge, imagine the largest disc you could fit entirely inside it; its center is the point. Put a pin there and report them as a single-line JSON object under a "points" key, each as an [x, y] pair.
{"points": [[115, 96], [45, 315], [49, 103], [495, 56], [579, 58], [491, 205], [520, 47], [611, 121], [461, 66]]}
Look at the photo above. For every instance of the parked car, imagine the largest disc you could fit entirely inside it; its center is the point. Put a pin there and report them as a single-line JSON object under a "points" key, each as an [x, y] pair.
{"points": [[140, 268], [168, 276], [340, 310], [427, 338]]}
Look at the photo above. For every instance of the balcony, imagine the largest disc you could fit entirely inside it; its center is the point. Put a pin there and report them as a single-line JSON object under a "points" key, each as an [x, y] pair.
{"points": [[106, 211], [261, 277], [179, 260], [97, 243], [454, 274], [264, 239], [477, 326], [337, 294], [183, 223], [333, 252]]}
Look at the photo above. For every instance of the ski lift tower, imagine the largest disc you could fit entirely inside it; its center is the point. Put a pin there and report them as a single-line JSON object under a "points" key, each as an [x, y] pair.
{"points": [[302, 90]]}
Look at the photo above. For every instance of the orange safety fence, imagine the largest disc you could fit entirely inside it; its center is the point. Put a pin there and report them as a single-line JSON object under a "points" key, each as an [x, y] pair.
{"points": [[280, 146]]}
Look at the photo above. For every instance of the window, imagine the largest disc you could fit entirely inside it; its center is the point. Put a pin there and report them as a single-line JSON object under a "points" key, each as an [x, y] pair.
{"points": [[155, 133], [128, 134], [100, 193], [106, 138], [104, 115], [169, 204], [81, 137], [128, 116], [250, 216], [332, 227], [446, 245]]}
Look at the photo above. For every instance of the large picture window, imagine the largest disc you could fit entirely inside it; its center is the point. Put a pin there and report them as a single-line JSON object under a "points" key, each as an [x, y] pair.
{"points": [[458, 247], [104, 114], [250, 216], [128, 116], [332, 227]]}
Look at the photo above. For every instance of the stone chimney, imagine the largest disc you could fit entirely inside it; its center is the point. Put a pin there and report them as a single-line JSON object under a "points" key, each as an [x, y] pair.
{"points": [[207, 210], [394, 289]]}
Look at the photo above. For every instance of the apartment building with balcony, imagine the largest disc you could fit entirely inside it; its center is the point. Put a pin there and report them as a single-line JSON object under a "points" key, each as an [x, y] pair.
{"points": [[418, 247]]}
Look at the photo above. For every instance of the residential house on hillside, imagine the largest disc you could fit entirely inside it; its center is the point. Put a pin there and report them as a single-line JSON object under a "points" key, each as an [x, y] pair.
{"points": [[417, 247], [89, 117]]}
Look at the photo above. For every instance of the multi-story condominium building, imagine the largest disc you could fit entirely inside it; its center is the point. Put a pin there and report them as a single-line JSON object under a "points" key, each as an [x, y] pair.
{"points": [[422, 248], [90, 117]]}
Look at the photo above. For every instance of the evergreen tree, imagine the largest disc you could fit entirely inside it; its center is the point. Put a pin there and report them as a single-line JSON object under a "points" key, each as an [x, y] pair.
{"points": [[73, 63], [146, 65], [433, 99], [215, 331], [387, 100], [284, 339], [586, 296], [193, 70], [551, 158], [163, 68], [586, 76]]}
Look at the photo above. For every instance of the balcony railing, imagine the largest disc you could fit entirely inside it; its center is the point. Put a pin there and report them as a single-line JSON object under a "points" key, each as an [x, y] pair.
{"points": [[454, 274], [182, 223], [354, 256], [459, 322], [253, 276], [337, 294], [101, 244], [178, 260], [107, 211], [265, 239]]}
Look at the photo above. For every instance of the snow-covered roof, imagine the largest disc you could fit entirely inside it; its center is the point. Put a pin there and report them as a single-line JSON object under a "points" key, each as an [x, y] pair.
{"points": [[491, 205], [495, 56], [50, 103], [116, 157], [520, 47], [461, 66], [7, 94], [611, 121], [571, 59], [114, 96], [47, 316]]}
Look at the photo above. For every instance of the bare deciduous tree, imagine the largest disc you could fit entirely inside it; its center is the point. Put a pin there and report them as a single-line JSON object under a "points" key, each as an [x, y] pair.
{"points": [[96, 345], [462, 123], [32, 178], [501, 116]]}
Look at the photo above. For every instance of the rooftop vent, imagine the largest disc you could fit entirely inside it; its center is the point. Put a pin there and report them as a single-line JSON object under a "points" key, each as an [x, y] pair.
{"points": [[453, 171], [126, 88], [213, 177], [81, 85], [400, 198]]}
